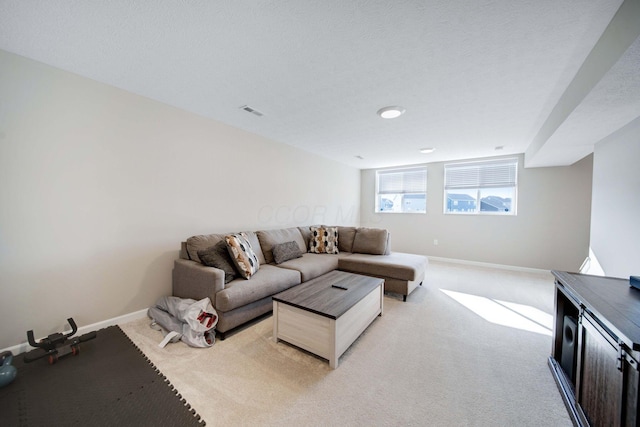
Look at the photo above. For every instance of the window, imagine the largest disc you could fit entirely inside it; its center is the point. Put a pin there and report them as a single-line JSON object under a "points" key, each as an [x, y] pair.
{"points": [[481, 187], [401, 190]]}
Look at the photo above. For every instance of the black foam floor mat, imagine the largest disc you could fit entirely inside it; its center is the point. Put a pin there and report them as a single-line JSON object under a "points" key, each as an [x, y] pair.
{"points": [[109, 383]]}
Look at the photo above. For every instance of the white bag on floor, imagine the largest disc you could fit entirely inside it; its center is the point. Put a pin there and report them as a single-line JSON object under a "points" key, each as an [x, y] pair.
{"points": [[189, 320]]}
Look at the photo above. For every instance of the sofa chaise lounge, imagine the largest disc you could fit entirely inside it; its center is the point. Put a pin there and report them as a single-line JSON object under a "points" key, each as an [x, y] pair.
{"points": [[359, 250]]}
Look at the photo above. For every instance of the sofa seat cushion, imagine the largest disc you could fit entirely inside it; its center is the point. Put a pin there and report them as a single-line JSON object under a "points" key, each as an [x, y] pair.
{"points": [[267, 281], [396, 265], [312, 265]]}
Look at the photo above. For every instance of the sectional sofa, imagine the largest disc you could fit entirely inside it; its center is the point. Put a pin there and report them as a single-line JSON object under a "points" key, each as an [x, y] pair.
{"points": [[285, 258]]}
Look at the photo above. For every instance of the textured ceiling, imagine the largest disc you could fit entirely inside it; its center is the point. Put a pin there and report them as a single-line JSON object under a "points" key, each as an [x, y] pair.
{"points": [[472, 75]]}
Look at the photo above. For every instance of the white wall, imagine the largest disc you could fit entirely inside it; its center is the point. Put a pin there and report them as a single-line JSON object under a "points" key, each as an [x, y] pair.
{"points": [[99, 186], [550, 231], [615, 217]]}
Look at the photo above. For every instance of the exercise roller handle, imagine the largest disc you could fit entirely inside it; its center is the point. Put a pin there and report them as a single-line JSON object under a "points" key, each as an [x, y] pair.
{"points": [[74, 327], [32, 340]]}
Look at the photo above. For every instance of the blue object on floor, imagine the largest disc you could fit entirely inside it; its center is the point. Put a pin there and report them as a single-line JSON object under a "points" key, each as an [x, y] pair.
{"points": [[634, 281], [8, 372]]}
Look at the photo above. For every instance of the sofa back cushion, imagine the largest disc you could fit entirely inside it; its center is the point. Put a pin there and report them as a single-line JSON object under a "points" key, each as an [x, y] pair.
{"points": [[269, 238], [306, 236], [184, 254], [346, 235], [252, 237], [372, 241], [200, 243], [204, 241]]}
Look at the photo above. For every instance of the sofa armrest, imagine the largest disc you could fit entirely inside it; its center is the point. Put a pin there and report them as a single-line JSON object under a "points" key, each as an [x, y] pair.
{"points": [[196, 281]]}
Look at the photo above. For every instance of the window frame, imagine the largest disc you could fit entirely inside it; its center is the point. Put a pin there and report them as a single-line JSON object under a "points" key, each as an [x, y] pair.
{"points": [[495, 173], [402, 189]]}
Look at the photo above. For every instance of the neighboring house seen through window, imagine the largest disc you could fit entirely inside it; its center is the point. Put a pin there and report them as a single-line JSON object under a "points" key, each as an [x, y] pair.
{"points": [[401, 190], [487, 187]]}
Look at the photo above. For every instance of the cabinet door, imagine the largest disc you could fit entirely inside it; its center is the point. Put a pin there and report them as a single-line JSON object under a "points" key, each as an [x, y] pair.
{"points": [[601, 380], [632, 381]]}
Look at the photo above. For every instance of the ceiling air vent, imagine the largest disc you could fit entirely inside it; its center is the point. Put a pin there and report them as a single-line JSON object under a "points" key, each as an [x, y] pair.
{"points": [[251, 110]]}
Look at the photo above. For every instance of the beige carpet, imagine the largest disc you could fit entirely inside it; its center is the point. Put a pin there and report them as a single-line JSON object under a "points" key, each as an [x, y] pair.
{"points": [[429, 361]]}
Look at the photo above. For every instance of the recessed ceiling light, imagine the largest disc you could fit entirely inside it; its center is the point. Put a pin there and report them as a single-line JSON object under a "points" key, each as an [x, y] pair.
{"points": [[499, 147], [359, 157], [391, 112], [427, 150]]}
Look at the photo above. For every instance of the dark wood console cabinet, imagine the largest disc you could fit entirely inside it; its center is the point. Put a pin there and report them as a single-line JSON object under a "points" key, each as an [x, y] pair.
{"points": [[596, 349]]}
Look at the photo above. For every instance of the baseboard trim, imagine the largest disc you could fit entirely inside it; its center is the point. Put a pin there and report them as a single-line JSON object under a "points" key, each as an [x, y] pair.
{"points": [[490, 265], [24, 347]]}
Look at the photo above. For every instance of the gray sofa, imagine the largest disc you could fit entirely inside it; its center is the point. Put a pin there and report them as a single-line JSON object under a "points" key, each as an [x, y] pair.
{"points": [[361, 250]]}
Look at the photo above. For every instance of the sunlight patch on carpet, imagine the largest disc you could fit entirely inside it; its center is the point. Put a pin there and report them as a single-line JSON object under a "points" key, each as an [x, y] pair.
{"points": [[505, 313]]}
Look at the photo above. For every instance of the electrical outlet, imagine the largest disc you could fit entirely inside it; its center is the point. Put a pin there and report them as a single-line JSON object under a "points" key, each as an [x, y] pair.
{"points": [[435, 242]]}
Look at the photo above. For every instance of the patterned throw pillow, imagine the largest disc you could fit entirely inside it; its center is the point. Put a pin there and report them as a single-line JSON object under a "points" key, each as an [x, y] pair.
{"points": [[324, 240], [285, 251], [218, 256], [242, 254]]}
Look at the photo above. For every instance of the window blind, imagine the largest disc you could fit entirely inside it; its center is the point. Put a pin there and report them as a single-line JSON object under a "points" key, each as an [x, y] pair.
{"points": [[402, 181], [498, 173]]}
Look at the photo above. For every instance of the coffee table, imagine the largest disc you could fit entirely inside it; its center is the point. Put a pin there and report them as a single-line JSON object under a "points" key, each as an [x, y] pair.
{"points": [[326, 320]]}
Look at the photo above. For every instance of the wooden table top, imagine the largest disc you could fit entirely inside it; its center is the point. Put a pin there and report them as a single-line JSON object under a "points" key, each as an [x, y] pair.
{"points": [[319, 297]]}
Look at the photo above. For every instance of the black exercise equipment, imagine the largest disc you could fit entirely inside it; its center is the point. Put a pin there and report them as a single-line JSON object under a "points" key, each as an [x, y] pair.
{"points": [[56, 345]]}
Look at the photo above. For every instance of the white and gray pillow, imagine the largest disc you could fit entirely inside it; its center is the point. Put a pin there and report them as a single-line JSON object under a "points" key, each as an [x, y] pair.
{"points": [[242, 254]]}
